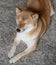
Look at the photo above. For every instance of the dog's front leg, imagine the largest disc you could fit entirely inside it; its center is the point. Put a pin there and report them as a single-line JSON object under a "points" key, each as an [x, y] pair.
{"points": [[25, 52], [12, 51]]}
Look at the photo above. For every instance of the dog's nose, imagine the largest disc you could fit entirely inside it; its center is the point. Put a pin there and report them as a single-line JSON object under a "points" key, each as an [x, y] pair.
{"points": [[18, 30]]}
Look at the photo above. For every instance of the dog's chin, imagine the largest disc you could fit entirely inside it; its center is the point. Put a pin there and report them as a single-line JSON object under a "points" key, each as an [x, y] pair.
{"points": [[23, 30]]}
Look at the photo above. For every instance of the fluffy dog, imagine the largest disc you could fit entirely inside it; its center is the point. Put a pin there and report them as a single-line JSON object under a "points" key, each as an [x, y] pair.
{"points": [[32, 23]]}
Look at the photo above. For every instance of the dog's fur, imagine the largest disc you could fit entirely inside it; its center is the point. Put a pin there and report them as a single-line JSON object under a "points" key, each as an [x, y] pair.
{"points": [[33, 23]]}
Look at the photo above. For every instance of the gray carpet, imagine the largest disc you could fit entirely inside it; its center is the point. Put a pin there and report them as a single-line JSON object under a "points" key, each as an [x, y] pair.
{"points": [[46, 51]]}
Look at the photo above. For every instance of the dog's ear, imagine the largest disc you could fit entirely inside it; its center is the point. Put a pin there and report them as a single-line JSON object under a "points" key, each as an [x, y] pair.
{"points": [[35, 17], [18, 10]]}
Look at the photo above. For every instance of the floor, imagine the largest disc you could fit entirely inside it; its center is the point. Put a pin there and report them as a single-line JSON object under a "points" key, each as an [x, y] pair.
{"points": [[46, 51]]}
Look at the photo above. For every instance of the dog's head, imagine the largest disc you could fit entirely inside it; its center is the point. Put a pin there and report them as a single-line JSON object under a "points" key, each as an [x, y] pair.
{"points": [[25, 19]]}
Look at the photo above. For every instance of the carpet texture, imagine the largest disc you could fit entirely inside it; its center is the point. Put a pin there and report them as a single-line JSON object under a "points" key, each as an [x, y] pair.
{"points": [[46, 50]]}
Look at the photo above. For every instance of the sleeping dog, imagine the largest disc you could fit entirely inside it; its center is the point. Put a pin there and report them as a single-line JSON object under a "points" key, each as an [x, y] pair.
{"points": [[32, 23]]}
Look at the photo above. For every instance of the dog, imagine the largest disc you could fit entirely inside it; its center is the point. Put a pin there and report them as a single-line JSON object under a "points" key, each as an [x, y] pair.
{"points": [[32, 23]]}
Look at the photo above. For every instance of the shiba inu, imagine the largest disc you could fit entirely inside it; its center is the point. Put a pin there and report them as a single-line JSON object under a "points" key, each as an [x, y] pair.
{"points": [[32, 23]]}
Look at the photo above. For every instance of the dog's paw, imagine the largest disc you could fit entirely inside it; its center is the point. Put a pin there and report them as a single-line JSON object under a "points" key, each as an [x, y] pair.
{"points": [[13, 60], [10, 54]]}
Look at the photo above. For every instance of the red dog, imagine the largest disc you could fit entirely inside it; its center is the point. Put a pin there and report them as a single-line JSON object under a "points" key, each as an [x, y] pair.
{"points": [[32, 23]]}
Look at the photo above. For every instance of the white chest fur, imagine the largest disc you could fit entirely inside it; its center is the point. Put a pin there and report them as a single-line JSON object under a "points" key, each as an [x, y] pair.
{"points": [[23, 36], [29, 40]]}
